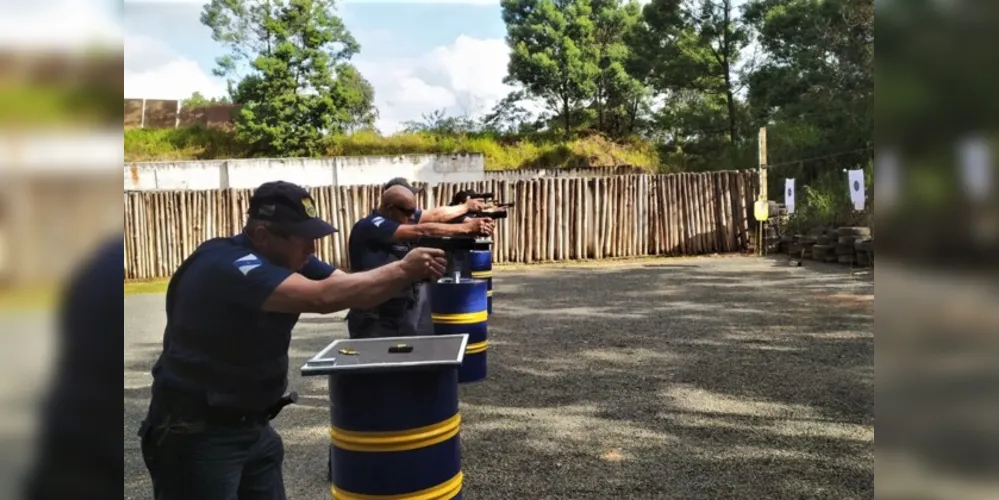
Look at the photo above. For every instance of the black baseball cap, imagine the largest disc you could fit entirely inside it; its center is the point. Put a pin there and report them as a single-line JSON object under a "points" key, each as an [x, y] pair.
{"points": [[291, 206], [401, 181]]}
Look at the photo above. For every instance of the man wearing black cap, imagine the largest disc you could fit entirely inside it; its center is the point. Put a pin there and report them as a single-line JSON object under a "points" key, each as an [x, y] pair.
{"points": [[230, 308]]}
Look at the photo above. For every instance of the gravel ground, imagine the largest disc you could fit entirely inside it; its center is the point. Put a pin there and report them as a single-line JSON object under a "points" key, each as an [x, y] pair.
{"points": [[731, 377]]}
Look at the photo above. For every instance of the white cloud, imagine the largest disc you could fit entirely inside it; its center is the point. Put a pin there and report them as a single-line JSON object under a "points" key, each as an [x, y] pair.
{"points": [[58, 24], [465, 77], [153, 70]]}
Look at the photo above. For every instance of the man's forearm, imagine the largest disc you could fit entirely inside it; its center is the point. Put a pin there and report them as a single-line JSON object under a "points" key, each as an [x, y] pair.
{"points": [[438, 229], [365, 289], [442, 214]]}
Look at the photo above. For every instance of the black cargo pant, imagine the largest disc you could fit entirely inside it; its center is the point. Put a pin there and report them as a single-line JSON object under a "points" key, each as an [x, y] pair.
{"points": [[191, 459]]}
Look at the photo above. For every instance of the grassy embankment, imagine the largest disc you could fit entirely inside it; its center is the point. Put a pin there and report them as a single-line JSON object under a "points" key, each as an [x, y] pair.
{"points": [[501, 153]]}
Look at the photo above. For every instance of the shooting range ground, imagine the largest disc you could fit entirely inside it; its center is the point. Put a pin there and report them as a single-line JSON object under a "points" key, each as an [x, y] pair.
{"points": [[730, 377]]}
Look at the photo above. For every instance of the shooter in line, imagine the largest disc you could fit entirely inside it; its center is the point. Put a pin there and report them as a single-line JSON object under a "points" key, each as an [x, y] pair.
{"points": [[231, 308], [455, 212], [458, 261], [386, 236]]}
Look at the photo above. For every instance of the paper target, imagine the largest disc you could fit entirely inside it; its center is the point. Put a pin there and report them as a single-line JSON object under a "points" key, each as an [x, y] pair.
{"points": [[857, 194], [976, 168], [789, 195]]}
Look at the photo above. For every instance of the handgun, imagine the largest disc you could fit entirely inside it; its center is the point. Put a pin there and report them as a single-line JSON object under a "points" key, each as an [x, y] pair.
{"points": [[275, 409], [489, 197], [452, 245], [488, 215]]}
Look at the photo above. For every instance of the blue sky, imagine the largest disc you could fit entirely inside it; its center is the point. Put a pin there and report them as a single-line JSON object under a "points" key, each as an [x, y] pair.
{"points": [[419, 55]]}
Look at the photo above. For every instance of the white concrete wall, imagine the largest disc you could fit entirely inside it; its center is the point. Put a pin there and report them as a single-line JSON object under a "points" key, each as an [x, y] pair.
{"points": [[339, 171]]}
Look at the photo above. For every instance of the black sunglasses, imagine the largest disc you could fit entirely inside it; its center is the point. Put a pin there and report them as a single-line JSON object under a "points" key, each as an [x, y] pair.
{"points": [[407, 211]]}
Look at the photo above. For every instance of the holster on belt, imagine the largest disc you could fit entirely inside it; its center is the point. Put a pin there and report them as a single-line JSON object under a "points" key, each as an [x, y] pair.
{"points": [[287, 399]]}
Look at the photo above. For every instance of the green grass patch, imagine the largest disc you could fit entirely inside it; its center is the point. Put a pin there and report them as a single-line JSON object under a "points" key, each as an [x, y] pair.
{"points": [[501, 152], [47, 296], [146, 287], [187, 143], [28, 299]]}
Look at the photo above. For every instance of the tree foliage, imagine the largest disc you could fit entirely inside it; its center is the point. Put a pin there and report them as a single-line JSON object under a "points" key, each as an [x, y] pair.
{"points": [[197, 100], [553, 53], [288, 65], [695, 79], [699, 77], [816, 85]]}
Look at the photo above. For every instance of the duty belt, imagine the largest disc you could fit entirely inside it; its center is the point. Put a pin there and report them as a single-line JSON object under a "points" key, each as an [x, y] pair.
{"points": [[185, 406]]}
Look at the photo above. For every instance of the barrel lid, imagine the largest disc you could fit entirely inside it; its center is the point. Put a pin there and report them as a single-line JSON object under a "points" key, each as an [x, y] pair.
{"points": [[482, 243], [346, 356]]}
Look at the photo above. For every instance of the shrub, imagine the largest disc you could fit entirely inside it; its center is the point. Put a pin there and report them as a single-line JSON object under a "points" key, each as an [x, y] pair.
{"points": [[501, 152]]}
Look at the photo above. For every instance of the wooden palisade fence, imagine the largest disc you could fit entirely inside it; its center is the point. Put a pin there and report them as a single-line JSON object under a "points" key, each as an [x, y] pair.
{"points": [[555, 219]]}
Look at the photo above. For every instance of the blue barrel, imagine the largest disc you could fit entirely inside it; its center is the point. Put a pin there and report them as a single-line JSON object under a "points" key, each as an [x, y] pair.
{"points": [[395, 430], [480, 262], [460, 307]]}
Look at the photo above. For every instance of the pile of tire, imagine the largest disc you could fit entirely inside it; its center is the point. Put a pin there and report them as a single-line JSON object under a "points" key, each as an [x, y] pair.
{"points": [[865, 251], [825, 246], [846, 245]]}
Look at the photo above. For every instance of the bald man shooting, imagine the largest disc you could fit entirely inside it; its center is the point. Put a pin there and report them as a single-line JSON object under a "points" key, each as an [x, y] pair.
{"points": [[386, 236], [450, 213]]}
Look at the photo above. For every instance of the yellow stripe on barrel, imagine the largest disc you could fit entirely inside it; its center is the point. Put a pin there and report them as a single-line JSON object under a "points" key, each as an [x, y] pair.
{"points": [[444, 491], [384, 442], [460, 307]]}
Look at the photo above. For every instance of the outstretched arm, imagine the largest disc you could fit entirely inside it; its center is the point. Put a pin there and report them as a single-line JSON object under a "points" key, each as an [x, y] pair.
{"points": [[386, 230], [339, 291], [410, 232], [253, 282], [444, 214]]}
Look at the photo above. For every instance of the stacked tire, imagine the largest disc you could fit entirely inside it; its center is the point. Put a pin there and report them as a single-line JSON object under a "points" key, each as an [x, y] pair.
{"points": [[824, 246], [865, 251], [846, 244]]}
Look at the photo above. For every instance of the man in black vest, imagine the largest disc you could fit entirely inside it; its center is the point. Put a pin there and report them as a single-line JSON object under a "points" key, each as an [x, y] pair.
{"points": [[231, 307], [385, 236]]}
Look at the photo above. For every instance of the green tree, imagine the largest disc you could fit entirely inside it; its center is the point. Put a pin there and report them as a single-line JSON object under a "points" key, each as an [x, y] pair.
{"points": [[618, 95], [510, 116], [694, 46], [439, 122], [554, 55], [816, 85], [288, 65], [197, 100]]}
